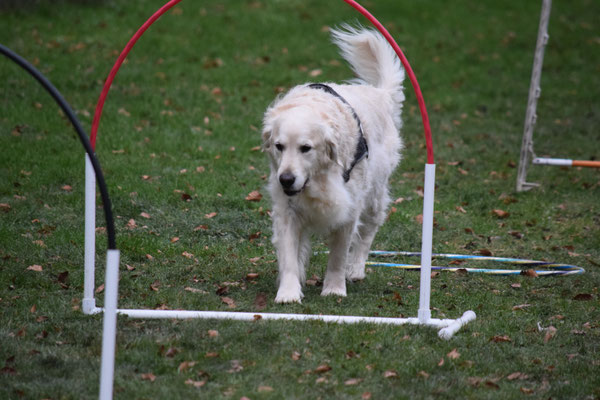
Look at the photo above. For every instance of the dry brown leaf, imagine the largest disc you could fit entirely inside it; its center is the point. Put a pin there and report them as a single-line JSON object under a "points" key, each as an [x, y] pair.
{"points": [[210, 215], [530, 272], [254, 196], [187, 254], [353, 381], [67, 188], [390, 374], [264, 388], [229, 301], [521, 307], [185, 365], [200, 227], [35, 267], [498, 339], [322, 368], [196, 384], [296, 356], [260, 302], [583, 297], [213, 333], [211, 354], [145, 215], [100, 289], [460, 209], [366, 396], [174, 239], [517, 375], [5, 207], [149, 377], [500, 213], [453, 355]]}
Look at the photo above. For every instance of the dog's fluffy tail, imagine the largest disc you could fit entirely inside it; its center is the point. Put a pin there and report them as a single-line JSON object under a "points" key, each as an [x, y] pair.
{"points": [[371, 57]]}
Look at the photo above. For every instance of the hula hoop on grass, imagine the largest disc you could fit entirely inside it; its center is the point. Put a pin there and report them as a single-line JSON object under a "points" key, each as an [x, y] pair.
{"points": [[549, 268]]}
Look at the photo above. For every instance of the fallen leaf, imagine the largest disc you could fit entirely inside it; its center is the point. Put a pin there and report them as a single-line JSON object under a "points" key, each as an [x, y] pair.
{"points": [[254, 196], [296, 356], [211, 354], [498, 339], [187, 254], [474, 381], [583, 297], [521, 307], [67, 188], [5, 207], [131, 224], [419, 219], [174, 239], [200, 227], [145, 215], [530, 272], [236, 366], [251, 276], [210, 215], [196, 384], [260, 302], [100, 289], [390, 374], [441, 362], [315, 72], [423, 374], [185, 365], [149, 257], [485, 252], [262, 389], [353, 381], [229, 301], [515, 285], [366, 396], [453, 355], [526, 390], [171, 352], [35, 267], [322, 368], [149, 377], [500, 213], [213, 333], [462, 210], [517, 375]]}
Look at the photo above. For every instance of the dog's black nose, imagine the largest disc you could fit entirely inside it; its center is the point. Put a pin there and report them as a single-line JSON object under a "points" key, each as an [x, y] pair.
{"points": [[287, 180]]}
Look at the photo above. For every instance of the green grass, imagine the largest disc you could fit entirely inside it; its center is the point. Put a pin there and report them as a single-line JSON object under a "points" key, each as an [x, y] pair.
{"points": [[474, 64]]}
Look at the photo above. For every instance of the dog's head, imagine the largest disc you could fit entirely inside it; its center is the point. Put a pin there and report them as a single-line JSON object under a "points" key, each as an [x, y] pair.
{"points": [[298, 142]]}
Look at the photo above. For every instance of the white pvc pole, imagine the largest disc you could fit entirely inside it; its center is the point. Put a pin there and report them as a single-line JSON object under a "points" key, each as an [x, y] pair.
{"points": [[109, 332], [89, 302], [561, 162], [424, 314], [447, 332]]}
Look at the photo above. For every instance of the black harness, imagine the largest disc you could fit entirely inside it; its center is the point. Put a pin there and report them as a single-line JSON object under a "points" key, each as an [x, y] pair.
{"points": [[362, 149]]}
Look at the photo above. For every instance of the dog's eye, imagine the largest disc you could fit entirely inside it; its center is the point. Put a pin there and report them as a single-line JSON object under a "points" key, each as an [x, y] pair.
{"points": [[305, 149], [279, 146]]}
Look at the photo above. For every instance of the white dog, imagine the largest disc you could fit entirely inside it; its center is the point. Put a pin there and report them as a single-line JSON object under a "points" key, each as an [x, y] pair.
{"points": [[332, 149]]}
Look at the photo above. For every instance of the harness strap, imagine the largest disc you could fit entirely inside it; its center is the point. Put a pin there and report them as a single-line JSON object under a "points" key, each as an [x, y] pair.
{"points": [[362, 148]]}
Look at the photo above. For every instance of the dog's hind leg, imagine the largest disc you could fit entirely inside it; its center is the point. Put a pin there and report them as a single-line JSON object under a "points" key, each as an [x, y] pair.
{"points": [[361, 244], [335, 277]]}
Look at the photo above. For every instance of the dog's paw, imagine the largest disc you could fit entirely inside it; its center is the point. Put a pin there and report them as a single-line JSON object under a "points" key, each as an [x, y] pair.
{"points": [[356, 273], [289, 295], [339, 290], [287, 298]]}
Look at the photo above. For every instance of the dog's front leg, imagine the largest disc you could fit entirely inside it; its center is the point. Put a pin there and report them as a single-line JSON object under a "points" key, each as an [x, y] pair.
{"points": [[286, 239], [335, 277]]}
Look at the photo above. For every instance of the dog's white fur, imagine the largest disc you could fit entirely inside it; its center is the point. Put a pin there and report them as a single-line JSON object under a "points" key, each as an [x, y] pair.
{"points": [[311, 136]]}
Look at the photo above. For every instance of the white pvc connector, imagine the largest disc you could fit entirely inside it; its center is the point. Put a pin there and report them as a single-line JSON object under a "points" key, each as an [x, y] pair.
{"points": [[109, 333], [89, 302], [447, 332], [424, 313], [560, 162]]}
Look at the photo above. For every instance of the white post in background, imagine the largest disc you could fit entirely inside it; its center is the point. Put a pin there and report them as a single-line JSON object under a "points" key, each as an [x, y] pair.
{"points": [[424, 314], [109, 332], [89, 302], [534, 93]]}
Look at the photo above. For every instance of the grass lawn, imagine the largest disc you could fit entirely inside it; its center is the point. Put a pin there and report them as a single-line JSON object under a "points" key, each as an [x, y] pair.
{"points": [[178, 147]]}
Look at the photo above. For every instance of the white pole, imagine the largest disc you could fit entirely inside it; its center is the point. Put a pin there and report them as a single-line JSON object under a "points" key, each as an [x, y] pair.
{"points": [[109, 332], [447, 332], [562, 162], [89, 302], [424, 314]]}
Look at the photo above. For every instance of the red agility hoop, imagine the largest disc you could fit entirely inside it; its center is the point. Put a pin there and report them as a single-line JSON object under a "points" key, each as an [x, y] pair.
{"points": [[354, 4], [448, 326]]}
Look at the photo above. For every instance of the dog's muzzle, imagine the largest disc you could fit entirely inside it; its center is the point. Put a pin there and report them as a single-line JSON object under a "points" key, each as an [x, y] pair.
{"points": [[287, 181]]}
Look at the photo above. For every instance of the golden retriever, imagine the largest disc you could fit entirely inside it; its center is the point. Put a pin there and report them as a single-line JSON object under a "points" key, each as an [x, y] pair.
{"points": [[332, 148]]}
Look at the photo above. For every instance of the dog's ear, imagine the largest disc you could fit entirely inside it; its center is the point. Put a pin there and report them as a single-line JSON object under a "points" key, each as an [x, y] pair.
{"points": [[266, 139], [331, 150]]}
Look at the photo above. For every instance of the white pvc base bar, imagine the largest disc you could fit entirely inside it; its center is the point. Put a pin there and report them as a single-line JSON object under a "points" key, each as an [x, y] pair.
{"points": [[450, 326]]}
